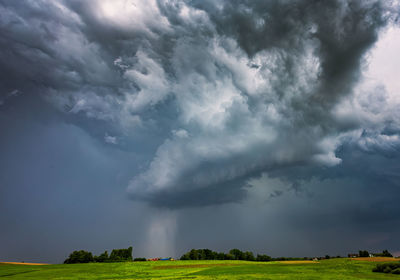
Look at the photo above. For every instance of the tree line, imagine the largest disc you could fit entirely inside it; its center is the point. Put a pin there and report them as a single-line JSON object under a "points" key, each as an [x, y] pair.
{"points": [[365, 254], [121, 255], [117, 255], [234, 254]]}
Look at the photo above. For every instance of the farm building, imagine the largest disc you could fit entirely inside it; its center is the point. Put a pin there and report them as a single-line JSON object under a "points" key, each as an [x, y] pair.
{"points": [[353, 255]]}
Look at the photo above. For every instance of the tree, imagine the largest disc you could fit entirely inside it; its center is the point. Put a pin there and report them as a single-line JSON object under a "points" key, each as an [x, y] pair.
{"points": [[263, 258], [385, 253], [185, 257], [79, 257], [102, 257], [208, 254], [220, 256], [248, 256], [193, 255], [363, 254], [237, 254], [118, 255]]}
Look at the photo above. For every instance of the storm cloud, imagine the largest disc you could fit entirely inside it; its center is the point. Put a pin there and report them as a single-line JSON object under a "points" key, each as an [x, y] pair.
{"points": [[237, 88], [198, 104]]}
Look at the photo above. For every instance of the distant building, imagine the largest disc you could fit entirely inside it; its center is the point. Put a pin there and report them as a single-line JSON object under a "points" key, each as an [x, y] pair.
{"points": [[353, 255], [161, 259]]}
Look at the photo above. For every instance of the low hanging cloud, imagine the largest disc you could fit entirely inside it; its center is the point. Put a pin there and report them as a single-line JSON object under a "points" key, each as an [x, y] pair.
{"points": [[230, 89]]}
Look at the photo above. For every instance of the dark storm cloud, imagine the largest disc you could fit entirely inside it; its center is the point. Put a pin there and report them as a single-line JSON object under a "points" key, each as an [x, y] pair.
{"points": [[195, 105], [308, 53], [210, 94], [341, 209], [343, 31]]}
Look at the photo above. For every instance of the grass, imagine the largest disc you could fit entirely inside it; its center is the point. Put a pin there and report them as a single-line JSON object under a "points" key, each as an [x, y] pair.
{"points": [[325, 269]]}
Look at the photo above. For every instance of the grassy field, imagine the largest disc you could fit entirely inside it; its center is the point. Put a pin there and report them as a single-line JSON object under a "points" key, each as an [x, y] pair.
{"points": [[325, 269]]}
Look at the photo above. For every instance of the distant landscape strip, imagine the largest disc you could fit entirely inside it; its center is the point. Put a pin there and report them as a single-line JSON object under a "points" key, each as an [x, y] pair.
{"points": [[192, 265], [24, 263]]}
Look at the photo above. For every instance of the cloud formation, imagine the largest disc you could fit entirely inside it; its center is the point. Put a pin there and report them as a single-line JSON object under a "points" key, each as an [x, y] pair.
{"points": [[212, 94]]}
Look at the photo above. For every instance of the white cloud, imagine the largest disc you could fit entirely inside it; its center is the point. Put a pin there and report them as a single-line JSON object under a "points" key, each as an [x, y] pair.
{"points": [[180, 133], [152, 82], [131, 15], [384, 61], [375, 104], [110, 139]]}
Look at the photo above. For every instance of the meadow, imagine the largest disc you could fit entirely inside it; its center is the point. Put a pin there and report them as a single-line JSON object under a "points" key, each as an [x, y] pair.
{"points": [[325, 269]]}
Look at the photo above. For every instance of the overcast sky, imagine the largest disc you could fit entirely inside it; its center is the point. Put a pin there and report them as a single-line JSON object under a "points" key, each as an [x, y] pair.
{"points": [[270, 126]]}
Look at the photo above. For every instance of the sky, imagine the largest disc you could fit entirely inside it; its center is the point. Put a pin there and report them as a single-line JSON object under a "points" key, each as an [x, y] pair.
{"points": [[166, 125]]}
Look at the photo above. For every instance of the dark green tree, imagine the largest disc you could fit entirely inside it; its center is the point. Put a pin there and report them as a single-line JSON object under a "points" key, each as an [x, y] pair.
{"points": [[120, 255], [102, 257], [363, 254], [248, 256], [185, 257], [220, 256], [385, 253], [263, 258], [237, 254], [193, 255], [208, 254], [80, 256]]}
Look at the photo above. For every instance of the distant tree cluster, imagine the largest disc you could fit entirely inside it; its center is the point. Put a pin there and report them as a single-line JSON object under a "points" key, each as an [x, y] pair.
{"points": [[363, 254], [393, 268], [80, 257], [234, 254], [117, 255], [120, 255], [385, 253], [102, 257]]}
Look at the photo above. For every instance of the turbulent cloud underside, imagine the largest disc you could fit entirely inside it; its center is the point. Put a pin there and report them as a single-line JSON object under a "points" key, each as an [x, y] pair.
{"points": [[229, 90]]}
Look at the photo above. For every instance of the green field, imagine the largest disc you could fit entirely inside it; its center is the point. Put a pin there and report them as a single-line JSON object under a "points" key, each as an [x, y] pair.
{"points": [[325, 269]]}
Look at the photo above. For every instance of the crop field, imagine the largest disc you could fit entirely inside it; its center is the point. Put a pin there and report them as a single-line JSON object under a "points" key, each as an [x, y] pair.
{"points": [[324, 269]]}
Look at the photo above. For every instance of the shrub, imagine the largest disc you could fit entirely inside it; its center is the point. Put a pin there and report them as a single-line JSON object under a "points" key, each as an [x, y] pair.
{"points": [[388, 268], [396, 271], [139, 260]]}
